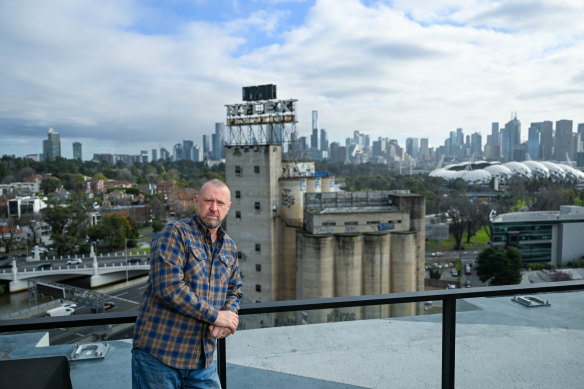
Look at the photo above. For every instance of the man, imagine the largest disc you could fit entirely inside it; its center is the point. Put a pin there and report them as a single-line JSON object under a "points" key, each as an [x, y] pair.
{"points": [[191, 298]]}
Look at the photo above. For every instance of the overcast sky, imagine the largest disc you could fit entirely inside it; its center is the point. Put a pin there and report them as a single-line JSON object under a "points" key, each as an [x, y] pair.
{"points": [[122, 76]]}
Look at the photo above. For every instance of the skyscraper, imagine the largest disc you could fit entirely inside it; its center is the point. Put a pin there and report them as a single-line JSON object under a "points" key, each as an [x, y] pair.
{"points": [[219, 141], [324, 143], [164, 154], [412, 147], [77, 151], [546, 139], [424, 153], [476, 144], [206, 146], [154, 155], [52, 146], [188, 149], [533, 141], [177, 152], [511, 138], [563, 144]]}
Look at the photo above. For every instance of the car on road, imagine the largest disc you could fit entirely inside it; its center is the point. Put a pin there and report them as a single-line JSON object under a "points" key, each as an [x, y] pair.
{"points": [[45, 266], [454, 272], [74, 261], [437, 254], [467, 284], [467, 269], [106, 306], [60, 311]]}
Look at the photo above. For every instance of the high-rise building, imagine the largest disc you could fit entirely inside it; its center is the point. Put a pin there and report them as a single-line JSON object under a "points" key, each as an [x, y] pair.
{"points": [[77, 154], [533, 141], [314, 120], [580, 133], [324, 143], [510, 138], [412, 147], [143, 156], [546, 139], [314, 144], [188, 149], [563, 143], [424, 153], [219, 141], [206, 146], [495, 133], [177, 152], [154, 155], [52, 146], [164, 154], [197, 152], [476, 144]]}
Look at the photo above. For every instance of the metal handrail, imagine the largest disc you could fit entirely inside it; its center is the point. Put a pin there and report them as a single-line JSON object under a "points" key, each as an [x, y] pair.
{"points": [[448, 297]]}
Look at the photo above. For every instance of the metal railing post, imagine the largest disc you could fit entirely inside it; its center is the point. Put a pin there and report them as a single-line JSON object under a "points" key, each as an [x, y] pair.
{"points": [[448, 341], [221, 362]]}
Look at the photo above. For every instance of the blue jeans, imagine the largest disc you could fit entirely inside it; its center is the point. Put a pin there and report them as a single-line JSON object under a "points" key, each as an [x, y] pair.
{"points": [[150, 373]]}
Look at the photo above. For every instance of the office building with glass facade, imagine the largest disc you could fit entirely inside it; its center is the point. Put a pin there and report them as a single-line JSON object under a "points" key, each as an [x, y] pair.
{"points": [[553, 237]]}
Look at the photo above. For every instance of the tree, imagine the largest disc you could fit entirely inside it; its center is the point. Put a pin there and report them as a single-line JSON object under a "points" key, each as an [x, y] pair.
{"points": [[456, 206], [8, 232], [114, 230], [499, 267], [50, 185], [68, 222], [552, 199]]}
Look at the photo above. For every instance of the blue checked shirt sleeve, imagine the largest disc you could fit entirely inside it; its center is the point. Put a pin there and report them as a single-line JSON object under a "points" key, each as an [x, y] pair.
{"points": [[168, 278], [234, 293]]}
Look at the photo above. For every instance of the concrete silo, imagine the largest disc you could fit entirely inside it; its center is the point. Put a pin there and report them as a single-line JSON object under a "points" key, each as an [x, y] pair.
{"points": [[403, 269], [348, 255], [376, 271], [327, 184], [415, 205], [314, 272], [286, 263], [313, 185], [291, 202]]}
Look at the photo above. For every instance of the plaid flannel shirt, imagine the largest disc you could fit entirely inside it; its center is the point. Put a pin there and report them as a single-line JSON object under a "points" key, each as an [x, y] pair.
{"points": [[181, 300]]}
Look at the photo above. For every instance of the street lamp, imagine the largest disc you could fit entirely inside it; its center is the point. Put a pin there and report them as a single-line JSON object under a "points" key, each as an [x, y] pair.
{"points": [[126, 254]]}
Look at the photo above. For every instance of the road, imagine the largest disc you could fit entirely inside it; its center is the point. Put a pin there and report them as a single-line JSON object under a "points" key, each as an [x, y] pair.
{"points": [[125, 299], [451, 257]]}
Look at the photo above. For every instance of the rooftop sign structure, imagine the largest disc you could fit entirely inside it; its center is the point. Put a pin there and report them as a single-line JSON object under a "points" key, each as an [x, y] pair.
{"points": [[260, 118]]}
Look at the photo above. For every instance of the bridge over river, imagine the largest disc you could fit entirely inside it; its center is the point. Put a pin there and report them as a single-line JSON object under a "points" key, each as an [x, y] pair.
{"points": [[100, 270]]}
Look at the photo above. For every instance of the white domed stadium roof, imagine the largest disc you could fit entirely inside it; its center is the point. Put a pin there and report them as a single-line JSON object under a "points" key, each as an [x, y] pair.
{"points": [[500, 171], [537, 169], [519, 169], [556, 171], [448, 175], [481, 172], [572, 174], [477, 177]]}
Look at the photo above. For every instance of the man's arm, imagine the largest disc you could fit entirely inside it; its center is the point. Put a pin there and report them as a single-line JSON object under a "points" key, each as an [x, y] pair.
{"points": [[167, 276]]}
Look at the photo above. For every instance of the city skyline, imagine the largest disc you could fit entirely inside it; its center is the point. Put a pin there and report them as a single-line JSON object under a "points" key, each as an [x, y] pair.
{"points": [[161, 73]]}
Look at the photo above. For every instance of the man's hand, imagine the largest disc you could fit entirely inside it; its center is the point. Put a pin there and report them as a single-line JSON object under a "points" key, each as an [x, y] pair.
{"points": [[227, 319], [219, 332]]}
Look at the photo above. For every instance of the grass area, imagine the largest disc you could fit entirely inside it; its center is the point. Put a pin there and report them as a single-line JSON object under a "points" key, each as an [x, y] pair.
{"points": [[477, 242]]}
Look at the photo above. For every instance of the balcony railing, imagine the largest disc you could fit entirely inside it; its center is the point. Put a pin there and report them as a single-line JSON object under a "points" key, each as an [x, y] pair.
{"points": [[448, 298]]}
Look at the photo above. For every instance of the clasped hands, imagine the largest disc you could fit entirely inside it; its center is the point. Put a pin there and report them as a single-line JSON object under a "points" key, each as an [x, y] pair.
{"points": [[225, 324]]}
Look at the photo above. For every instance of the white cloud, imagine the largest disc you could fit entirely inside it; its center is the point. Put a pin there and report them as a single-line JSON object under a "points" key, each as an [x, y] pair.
{"points": [[393, 69]]}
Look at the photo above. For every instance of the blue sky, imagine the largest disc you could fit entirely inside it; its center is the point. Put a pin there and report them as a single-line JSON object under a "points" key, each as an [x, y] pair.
{"points": [[134, 75]]}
